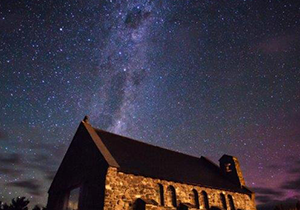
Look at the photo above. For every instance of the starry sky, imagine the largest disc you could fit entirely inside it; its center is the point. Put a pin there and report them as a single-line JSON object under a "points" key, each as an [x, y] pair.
{"points": [[200, 77]]}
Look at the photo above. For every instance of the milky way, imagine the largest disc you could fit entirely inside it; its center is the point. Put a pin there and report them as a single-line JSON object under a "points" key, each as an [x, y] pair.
{"points": [[199, 77], [124, 60]]}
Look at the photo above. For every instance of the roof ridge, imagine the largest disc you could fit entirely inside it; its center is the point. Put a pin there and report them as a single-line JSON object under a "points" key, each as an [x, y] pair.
{"points": [[148, 144], [99, 144]]}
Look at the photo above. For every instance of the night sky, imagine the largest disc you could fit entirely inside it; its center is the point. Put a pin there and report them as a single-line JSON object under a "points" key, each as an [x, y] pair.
{"points": [[200, 77]]}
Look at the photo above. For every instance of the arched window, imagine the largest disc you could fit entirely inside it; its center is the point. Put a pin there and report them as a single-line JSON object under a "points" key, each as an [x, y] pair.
{"points": [[161, 195], [196, 198], [223, 200], [231, 203], [171, 196], [205, 199]]}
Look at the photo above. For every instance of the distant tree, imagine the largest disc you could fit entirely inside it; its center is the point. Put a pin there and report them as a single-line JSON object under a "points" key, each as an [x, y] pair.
{"points": [[37, 207], [279, 207], [298, 205], [19, 203], [4, 206]]}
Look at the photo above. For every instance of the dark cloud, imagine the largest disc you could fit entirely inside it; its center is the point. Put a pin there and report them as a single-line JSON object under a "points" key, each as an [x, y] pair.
{"points": [[46, 149], [269, 204], [48, 171], [9, 171], [10, 158], [44, 163], [14, 164], [293, 183], [267, 191], [264, 199], [8, 163], [267, 195], [50, 176], [30, 185]]}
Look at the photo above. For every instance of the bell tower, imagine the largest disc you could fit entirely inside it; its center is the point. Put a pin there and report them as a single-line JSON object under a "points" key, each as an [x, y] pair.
{"points": [[230, 167]]}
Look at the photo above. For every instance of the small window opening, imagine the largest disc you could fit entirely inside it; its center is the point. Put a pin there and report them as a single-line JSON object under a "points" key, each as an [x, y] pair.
{"points": [[196, 198], [223, 200], [205, 199], [161, 195], [172, 196], [228, 167], [231, 203]]}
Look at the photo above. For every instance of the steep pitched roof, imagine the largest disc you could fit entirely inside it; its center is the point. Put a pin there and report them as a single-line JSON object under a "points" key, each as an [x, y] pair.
{"points": [[139, 158]]}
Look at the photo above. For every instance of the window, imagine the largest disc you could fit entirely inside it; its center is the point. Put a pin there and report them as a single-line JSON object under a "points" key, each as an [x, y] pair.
{"points": [[231, 203], [196, 199], [228, 167], [73, 199], [223, 200], [171, 196], [205, 199], [161, 195]]}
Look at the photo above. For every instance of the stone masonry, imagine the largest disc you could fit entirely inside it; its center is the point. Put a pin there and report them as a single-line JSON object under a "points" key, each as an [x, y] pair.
{"points": [[122, 190]]}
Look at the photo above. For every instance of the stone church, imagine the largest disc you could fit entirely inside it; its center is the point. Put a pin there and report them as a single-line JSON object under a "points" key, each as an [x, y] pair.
{"points": [[105, 171]]}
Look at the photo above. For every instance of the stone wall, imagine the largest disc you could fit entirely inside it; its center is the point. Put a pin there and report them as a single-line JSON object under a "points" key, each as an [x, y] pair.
{"points": [[239, 171], [122, 190]]}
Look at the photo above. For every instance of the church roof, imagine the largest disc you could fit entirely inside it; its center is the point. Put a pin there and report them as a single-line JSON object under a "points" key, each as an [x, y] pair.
{"points": [[139, 158]]}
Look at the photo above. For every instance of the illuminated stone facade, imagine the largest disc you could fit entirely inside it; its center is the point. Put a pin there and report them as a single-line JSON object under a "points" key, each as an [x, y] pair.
{"points": [[122, 191]]}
